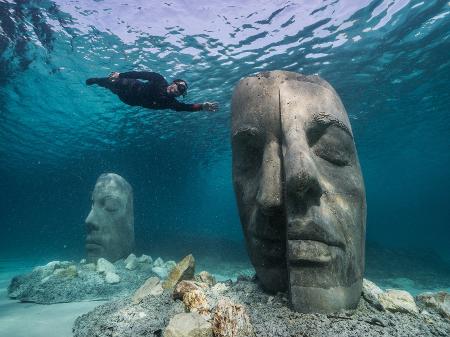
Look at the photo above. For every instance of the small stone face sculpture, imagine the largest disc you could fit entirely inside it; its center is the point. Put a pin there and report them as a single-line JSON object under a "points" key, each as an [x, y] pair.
{"points": [[110, 223], [299, 189]]}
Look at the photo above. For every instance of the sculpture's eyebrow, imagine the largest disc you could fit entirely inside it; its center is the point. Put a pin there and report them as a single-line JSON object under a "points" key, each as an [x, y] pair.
{"points": [[247, 131], [326, 120]]}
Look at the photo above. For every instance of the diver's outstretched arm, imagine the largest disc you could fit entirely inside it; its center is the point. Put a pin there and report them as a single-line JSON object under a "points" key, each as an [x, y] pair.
{"points": [[210, 106]]}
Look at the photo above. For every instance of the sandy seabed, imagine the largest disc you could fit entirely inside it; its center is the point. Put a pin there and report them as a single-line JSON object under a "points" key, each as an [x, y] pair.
{"points": [[35, 320]]}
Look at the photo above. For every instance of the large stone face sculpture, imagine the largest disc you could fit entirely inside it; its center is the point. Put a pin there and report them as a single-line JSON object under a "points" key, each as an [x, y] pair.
{"points": [[299, 189], [110, 223]]}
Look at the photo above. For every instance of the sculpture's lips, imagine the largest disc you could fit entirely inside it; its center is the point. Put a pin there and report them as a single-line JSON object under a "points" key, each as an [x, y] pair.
{"points": [[308, 251], [92, 244], [309, 230]]}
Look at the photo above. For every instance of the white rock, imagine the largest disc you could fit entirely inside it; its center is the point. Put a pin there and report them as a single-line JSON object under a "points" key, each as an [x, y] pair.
{"points": [[160, 271], [83, 261], [169, 265], [145, 259], [52, 264], [131, 262], [112, 278], [48, 269], [398, 301], [89, 266], [130, 257], [371, 292], [188, 325], [151, 287], [158, 262], [439, 302], [219, 288], [104, 266]]}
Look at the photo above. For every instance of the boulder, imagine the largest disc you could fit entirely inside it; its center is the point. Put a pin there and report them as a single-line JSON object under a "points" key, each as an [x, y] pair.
{"points": [[112, 278], [144, 259], [205, 277], [438, 302], [188, 325], [151, 287], [398, 301], [169, 265], [195, 301], [160, 271], [185, 286], [104, 266], [231, 319], [89, 267], [184, 270], [131, 262], [158, 262], [371, 292], [48, 269]]}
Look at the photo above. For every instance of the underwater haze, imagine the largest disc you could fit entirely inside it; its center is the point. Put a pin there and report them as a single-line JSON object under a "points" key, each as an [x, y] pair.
{"points": [[388, 60]]}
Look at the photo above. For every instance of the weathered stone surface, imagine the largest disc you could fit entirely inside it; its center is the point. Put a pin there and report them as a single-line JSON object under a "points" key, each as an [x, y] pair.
{"points": [[293, 147], [151, 287], [131, 262], [438, 302], [184, 270], [231, 319], [185, 286], [188, 325], [169, 265], [112, 278], [161, 272], [104, 266], [371, 292], [158, 262], [145, 259], [205, 277], [195, 301], [398, 301], [110, 223]]}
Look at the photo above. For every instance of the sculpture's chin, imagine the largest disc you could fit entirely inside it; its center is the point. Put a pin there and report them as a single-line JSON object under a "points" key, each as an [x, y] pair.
{"points": [[93, 252], [272, 279], [325, 300]]}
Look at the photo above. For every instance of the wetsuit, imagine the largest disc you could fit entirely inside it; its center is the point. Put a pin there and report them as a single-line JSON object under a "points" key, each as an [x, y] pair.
{"points": [[151, 94]]}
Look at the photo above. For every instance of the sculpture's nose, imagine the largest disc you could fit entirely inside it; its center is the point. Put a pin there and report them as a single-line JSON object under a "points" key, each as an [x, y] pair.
{"points": [[270, 185], [302, 185], [91, 223]]}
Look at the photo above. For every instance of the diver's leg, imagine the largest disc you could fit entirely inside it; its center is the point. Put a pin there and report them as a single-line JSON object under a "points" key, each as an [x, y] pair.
{"points": [[101, 81], [120, 86]]}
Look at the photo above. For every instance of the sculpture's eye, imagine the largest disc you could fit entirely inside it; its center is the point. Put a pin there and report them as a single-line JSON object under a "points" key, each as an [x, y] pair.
{"points": [[111, 205], [247, 152], [335, 146]]}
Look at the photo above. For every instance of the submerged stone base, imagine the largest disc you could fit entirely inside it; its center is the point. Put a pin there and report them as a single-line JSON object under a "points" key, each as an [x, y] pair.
{"points": [[269, 316], [59, 282]]}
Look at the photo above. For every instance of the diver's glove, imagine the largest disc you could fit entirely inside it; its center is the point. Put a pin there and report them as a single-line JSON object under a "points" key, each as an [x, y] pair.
{"points": [[210, 106]]}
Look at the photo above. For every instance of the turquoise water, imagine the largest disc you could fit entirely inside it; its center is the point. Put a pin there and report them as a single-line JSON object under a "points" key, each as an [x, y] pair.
{"points": [[388, 60]]}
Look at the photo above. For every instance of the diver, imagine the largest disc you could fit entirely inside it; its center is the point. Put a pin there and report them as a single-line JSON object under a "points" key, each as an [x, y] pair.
{"points": [[155, 93]]}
